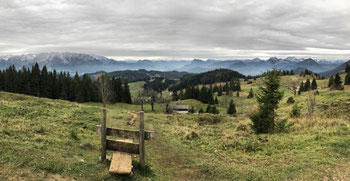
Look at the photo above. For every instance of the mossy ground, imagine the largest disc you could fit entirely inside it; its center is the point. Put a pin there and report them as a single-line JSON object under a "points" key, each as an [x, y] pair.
{"points": [[42, 139]]}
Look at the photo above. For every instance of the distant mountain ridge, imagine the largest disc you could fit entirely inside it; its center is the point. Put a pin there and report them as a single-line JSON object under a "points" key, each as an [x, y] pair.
{"points": [[340, 69], [87, 63]]}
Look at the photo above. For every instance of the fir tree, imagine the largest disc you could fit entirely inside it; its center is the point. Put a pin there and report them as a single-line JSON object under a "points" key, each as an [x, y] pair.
{"points": [[216, 100], [251, 94], [175, 97], [203, 96], [314, 84], [268, 99], [301, 88], [220, 91], [35, 80], [237, 94], [79, 96], [307, 85], [214, 110], [337, 80], [127, 95], [331, 81], [232, 108], [208, 109]]}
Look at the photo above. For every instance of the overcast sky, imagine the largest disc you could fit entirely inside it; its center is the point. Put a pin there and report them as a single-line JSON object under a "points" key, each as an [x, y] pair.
{"points": [[178, 29]]}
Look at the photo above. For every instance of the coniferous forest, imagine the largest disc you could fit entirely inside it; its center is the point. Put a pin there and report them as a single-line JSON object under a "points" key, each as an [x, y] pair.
{"points": [[59, 85]]}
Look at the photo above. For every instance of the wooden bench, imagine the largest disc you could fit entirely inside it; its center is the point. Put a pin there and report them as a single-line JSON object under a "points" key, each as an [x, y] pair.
{"points": [[122, 161]]}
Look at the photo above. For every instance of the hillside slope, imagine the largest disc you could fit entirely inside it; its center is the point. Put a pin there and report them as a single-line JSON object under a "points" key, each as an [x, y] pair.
{"points": [[41, 139]]}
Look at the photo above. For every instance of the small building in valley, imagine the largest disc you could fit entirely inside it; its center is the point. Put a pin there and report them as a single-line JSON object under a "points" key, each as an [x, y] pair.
{"points": [[178, 109]]}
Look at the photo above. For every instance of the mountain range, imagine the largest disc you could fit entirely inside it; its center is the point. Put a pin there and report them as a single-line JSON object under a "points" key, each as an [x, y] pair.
{"points": [[87, 63]]}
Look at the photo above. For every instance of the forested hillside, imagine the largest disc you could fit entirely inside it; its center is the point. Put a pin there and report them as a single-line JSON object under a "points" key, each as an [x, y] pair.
{"points": [[218, 75], [60, 85]]}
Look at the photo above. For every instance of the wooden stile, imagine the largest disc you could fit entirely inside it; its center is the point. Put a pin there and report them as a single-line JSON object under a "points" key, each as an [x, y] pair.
{"points": [[121, 161]]}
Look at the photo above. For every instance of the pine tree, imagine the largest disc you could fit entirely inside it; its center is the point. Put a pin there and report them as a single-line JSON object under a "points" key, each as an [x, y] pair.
{"points": [[79, 95], [127, 95], [214, 110], [337, 81], [331, 81], [347, 79], [175, 97], [181, 95], [208, 109], [86, 87], [237, 94], [301, 87], [268, 99], [118, 90], [44, 84], [35, 80], [238, 85], [216, 100], [220, 91], [314, 84], [210, 97], [232, 108], [307, 85], [251, 94], [203, 96]]}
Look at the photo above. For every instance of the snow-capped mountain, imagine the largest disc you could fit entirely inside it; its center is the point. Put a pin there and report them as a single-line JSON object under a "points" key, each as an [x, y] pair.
{"points": [[86, 63]]}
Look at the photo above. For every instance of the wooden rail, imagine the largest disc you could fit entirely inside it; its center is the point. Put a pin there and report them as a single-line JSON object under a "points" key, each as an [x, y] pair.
{"points": [[125, 133], [122, 146]]}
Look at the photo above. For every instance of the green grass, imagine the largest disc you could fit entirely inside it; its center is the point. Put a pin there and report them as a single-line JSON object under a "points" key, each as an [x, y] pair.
{"points": [[42, 139]]}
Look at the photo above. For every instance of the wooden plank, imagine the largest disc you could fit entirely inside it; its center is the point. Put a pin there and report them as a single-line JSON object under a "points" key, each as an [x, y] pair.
{"points": [[124, 133], [122, 146], [142, 141], [121, 162], [103, 135]]}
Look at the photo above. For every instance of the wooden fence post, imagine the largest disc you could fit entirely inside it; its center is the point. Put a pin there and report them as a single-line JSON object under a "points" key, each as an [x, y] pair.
{"points": [[142, 140], [103, 135]]}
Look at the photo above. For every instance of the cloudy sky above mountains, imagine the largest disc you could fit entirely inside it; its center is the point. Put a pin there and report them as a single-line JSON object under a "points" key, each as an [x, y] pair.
{"points": [[178, 29]]}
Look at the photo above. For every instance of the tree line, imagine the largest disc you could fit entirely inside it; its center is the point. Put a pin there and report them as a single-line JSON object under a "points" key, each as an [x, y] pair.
{"points": [[205, 94], [60, 85]]}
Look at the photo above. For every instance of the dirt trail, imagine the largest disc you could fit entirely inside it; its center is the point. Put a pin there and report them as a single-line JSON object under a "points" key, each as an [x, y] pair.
{"points": [[131, 122]]}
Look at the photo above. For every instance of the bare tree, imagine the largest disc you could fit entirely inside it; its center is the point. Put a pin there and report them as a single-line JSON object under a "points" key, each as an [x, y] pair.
{"points": [[293, 86], [104, 89], [147, 96], [139, 99]]}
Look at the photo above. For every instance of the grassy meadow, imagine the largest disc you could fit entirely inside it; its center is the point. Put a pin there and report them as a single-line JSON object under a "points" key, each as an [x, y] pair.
{"points": [[44, 139]]}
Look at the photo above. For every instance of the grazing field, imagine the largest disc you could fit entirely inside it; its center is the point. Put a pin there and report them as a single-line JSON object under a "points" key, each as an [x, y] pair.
{"points": [[43, 139]]}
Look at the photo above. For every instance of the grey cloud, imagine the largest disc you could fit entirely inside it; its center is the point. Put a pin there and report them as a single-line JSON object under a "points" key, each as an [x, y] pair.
{"points": [[178, 29]]}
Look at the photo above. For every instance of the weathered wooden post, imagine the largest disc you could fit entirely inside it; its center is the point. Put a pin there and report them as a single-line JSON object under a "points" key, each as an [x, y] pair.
{"points": [[103, 135], [142, 140]]}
